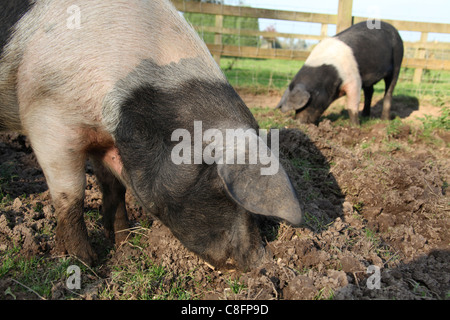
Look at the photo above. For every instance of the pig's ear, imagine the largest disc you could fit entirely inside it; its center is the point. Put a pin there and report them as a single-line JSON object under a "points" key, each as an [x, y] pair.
{"points": [[268, 195], [299, 96], [294, 99]]}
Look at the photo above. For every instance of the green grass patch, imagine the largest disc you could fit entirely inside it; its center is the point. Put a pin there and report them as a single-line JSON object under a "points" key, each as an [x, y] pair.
{"points": [[37, 275], [142, 279], [269, 118], [432, 127], [7, 175], [262, 75], [139, 277], [236, 285], [441, 122], [317, 224]]}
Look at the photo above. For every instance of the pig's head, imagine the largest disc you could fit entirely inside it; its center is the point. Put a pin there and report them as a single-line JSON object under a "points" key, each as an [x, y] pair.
{"points": [[308, 106], [311, 92], [294, 98], [211, 208]]}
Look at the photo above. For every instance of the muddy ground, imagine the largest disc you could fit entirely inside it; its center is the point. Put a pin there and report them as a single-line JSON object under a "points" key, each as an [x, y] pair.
{"points": [[375, 199]]}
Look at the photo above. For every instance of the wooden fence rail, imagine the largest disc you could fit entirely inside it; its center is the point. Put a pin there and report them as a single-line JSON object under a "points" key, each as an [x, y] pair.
{"points": [[343, 19]]}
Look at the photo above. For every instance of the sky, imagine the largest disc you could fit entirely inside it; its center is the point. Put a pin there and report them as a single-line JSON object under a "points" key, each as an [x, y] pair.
{"points": [[410, 10]]}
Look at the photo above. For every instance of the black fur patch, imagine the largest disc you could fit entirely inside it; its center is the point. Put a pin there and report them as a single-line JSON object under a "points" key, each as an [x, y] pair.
{"points": [[152, 111], [323, 83], [324, 77], [378, 52], [188, 198], [10, 13]]}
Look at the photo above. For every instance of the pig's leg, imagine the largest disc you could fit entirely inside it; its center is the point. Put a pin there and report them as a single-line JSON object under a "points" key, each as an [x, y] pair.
{"points": [[368, 93], [63, 164], [390, 82], [115, 219], [353, 92]]}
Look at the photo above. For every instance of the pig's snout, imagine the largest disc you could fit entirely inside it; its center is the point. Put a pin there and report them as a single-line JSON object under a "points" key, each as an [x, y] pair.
{"points": [[308, 115]]}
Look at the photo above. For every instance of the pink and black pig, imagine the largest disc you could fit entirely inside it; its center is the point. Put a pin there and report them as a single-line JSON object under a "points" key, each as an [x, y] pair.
{"points": [[356, 58], [111, 81]]}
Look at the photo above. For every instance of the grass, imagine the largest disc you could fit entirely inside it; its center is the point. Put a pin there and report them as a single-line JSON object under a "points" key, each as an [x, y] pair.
{"points": [[8, 260], [142, 279], [426, 129], [372, 236], [7, 175], [316, 224], [261, 76], [37, 275], [236, 286], [432, 126], [272, 118], [394, 127], [441, 122], [138, 279], [324, 294]]}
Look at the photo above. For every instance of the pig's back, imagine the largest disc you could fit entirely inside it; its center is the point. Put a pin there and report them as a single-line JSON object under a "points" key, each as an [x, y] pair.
{"points": [[78, 65], [373, 49], [360, 35]]}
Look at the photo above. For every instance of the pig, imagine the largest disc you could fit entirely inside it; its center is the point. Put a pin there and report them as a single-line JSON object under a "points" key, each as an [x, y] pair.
{"points": [[110, 81], [356, 58]]}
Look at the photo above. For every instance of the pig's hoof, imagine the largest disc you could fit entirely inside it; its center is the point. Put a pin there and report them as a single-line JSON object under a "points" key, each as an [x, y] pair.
{"points": [[121, 236], [83, 252], [89, 256]]}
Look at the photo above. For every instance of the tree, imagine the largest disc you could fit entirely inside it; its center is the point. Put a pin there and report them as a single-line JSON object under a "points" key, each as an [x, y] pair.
{"points": [[273, 41]]}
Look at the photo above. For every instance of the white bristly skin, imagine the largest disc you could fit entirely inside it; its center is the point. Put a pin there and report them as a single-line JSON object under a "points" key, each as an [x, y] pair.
{"points": [[333, 51]]}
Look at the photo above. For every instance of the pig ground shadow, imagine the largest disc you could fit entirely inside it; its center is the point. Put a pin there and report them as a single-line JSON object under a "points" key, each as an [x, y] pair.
{"points": [[318, 191], [423, 278], [402, 106]]}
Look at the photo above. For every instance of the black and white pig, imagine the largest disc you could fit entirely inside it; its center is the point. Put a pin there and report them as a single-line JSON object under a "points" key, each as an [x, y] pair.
{"points": [[356, 58], [111, 81]]}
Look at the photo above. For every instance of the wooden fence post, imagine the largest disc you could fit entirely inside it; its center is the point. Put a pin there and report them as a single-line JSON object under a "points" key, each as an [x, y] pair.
{"points": [[344, 19], [218, 36], [324, 30], [420, 53]]}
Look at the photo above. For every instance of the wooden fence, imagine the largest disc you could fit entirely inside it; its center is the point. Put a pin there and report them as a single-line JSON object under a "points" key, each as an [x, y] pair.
{"points": [[343, 19]]}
